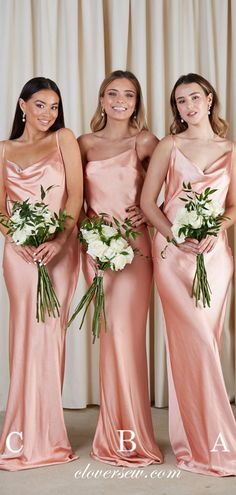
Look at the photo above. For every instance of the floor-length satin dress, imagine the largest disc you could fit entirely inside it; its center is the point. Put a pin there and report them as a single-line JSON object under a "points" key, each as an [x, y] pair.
{"points": [[201, 422], [111, 185], [37, 350]]}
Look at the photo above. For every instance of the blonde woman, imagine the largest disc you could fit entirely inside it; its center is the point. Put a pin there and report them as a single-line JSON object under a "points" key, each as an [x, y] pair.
{"points": [[115, 156]]}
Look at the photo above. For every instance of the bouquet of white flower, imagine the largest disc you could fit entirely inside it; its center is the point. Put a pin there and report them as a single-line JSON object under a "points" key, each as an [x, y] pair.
{"points": [[107, 246], [31, 225], [200, 217]]}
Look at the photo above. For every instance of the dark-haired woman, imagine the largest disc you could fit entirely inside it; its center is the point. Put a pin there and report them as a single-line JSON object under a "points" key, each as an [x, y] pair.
{"points": [[40, 151], [202, 425], [115, 155]]}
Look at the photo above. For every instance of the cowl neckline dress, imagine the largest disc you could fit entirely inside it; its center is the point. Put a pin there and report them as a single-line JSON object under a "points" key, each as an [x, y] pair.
{"points": [[200, 416], [37, 350]]}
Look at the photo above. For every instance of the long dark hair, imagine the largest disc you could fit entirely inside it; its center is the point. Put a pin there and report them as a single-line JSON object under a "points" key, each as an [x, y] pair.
{"points": [[31, 87], [137, 120], [218, 124]]}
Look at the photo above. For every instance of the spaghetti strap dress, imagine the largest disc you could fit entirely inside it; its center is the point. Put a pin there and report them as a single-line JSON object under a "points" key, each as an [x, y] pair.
{"points": [[34, 432], [201, 423]]}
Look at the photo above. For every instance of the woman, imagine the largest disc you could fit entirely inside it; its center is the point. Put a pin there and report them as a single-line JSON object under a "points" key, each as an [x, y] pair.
{"points": [[40, 151], [202, 426], [115, 155]]}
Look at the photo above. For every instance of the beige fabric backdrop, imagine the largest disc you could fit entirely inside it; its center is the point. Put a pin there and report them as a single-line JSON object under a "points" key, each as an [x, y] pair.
{"points": [[77, 42]]}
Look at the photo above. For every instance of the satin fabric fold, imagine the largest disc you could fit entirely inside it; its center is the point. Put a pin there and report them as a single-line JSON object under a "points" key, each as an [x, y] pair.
{"points": [[111, 185], [201, 422], [37, 350]]}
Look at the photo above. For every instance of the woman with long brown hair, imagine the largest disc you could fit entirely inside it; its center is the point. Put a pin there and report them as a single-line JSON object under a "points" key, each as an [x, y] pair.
{"points": [[40, 152], [202, 425], [115, 156]]}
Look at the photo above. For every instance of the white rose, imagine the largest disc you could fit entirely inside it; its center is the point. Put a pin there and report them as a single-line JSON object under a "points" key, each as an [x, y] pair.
{"points": [[130, 254], [47, 216], [185, 217], [96, 249], [90, 235], [175, 230], [213, 209], [19, 236], [108, 254], [194, 220], [210, 222], [120, 260], [181, 216], [28, 229], [52, 228], [16, 217], [119, 245], [108, 231]]}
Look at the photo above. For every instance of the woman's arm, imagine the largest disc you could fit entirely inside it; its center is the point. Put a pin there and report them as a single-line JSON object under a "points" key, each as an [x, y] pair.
{"points": [[74, 179], [154, 181], [74, 185], [84, 142], [146, 142]]}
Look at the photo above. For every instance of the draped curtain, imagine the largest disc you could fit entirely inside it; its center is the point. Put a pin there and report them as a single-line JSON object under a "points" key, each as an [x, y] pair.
{"points": [[76, 43]]}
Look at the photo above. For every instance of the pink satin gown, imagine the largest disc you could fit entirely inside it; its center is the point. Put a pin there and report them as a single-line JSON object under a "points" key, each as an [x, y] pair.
{"points": [[111, 185], [201, 422], [37, 350]]}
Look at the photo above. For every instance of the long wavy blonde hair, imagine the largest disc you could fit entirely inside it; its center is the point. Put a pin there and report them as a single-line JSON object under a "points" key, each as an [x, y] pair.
{"points": [[218, 124], [137, 119]]}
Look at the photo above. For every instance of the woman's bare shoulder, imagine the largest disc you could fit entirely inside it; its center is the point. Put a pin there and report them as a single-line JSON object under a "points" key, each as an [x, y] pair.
{"points": [[66, 136], [3, 145], [146, 137], [86, 140], [227, 144], [166, 144]]}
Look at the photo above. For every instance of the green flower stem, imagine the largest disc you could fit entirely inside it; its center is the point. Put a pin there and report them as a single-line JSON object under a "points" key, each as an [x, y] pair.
{"points": [[49, 293], [96, 292], [47, 301], [200, 286], [85, 301], [38, 296], [98, 307]]}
